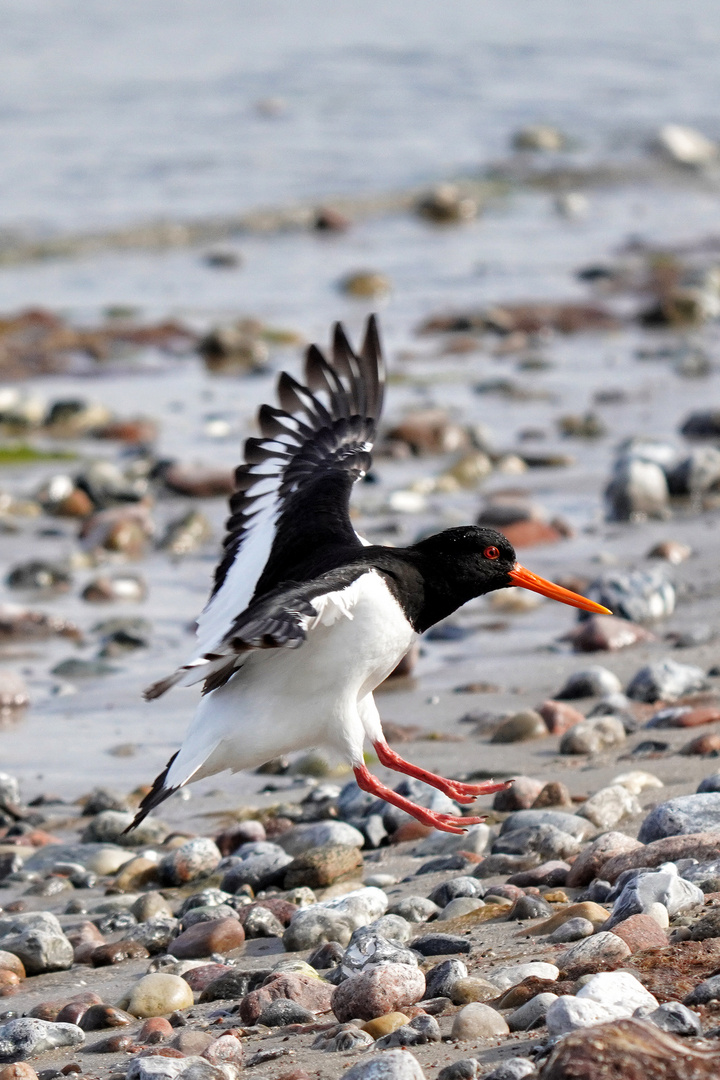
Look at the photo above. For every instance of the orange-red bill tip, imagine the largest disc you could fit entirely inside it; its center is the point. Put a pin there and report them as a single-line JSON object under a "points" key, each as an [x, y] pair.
{"points": [[527, 580]]}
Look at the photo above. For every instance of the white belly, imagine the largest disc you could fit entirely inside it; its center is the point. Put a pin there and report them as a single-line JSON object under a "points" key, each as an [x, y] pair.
{"points": [[290, 699]]}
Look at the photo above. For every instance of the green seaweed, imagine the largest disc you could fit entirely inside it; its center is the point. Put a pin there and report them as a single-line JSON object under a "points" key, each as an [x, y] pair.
{"points": [[15, 453]]}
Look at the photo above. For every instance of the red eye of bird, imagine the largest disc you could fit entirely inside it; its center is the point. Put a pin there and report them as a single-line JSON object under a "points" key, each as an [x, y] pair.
{"points": [[491, 553]]}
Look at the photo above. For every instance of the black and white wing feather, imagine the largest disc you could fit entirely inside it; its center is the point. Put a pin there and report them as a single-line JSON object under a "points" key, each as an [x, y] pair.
{"points": [[290, 510]]}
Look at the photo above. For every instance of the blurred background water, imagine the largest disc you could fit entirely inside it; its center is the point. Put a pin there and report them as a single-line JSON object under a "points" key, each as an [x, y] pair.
{"points": [[114, 111]]}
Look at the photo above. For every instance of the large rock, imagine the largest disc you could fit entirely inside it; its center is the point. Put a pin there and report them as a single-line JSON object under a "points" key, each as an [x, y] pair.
{"points": [[40, 943], [683, 815], [26, 1037], [611, 995], [318, 834], [658, 887], [391, 1065], [597, 854], [637, 490], [631, 1049], [378, 990], [312, 993], [594, 735], [591, 954], [638, 596], [701, 846], [609, 806], [665, 680]]}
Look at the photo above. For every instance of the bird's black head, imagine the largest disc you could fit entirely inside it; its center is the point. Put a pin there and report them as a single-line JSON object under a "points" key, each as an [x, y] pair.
{"points": [[462, 563], [476, 560]]}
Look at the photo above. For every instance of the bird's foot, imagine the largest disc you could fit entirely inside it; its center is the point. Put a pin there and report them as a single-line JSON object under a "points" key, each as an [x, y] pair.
{"points": [[454, 789], [445, 822]]}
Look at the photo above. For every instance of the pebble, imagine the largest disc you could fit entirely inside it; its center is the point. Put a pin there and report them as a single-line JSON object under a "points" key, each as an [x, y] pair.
{"points": [[638, 781], [530, 907], [662, 886], [532, 1013], [478, 1021], [609, 806], [554, 793], [367, 947], [206, 938], [41, 948], [415, 909], [156, 1029], [700, 846], [520, 727], [110, 826], [26, 1037], [553, 872], [607, 633], [195, 859], [440, 980], [462, 905], [558, 718], [625, 1048], [159, 994], [637, 490], [565, 823], [675, 1018], [686, 146], [441, 944], [548, 841], [593, 681], [379, 989], [385, 1025], [391, 1065], [608, 996], [638, 596], [641, 932], [593, 736], [665, 680], [515, 1068], [310, 992], [283, 1011], [573, 930], [686, 814], [472, 988], [505, 977], [320, 834], [322, 866]]}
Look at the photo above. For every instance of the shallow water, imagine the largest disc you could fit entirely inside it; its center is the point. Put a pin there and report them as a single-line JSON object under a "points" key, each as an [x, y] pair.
{"points": [[123, 110]]}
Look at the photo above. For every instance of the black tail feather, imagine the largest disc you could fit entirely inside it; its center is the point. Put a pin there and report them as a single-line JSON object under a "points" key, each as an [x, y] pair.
{"points": [[157, 794]]}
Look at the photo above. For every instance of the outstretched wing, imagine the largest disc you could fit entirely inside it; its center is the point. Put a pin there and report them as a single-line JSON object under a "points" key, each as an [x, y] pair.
{"points": [[278, 619], [293, 489]]}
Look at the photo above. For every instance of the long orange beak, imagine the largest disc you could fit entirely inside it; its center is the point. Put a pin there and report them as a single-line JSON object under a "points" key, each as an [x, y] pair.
{"points": [[527, 580]]}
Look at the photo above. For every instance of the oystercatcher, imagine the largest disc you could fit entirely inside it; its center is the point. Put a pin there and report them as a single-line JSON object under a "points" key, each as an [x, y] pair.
{"points": [[306, 618]]}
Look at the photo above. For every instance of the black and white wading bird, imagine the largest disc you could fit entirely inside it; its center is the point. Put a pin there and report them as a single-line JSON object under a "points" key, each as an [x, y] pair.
{"points": [[306, 618]]}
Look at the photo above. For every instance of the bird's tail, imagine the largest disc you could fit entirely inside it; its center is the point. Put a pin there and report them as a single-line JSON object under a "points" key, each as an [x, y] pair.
{"points": [[158, 793]]}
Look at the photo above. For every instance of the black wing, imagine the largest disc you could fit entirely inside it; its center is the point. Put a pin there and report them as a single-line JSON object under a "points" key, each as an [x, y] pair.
{"points": [[292, 500]]}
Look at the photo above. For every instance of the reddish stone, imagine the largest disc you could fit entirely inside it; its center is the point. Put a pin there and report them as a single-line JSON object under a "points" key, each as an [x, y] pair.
{"points": [[19, 1071], [530, 533], [105, 1016], [204, 938], [705, 847], [8, 979], [708, 714], [641, 932], [139, 430], [313, 994], [704, 746], [229, 840], [281, 909], [671, 973], [380, 989], [73, 1012], [510, 892], [155, 1030], [559, 717], [161, 1051], [607, 633], [10, 962], [227, 1050], [631, 1049], [410, 830], [588, 864], [202, 482], [200, 977], [116, 952], [114, 1044]]}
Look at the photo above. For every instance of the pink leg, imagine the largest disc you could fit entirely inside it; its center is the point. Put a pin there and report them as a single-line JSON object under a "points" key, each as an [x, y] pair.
{"points": [[445, 822], [462, 793]]}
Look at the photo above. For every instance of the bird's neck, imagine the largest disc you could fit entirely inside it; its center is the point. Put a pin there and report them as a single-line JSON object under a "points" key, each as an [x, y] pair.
{"points": [[426, 589]]}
